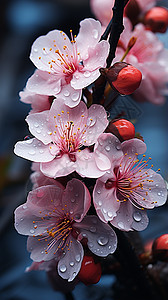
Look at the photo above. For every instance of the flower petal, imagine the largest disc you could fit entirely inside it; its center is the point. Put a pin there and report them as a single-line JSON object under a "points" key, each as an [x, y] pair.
{"points": [[97, 56], [102, 239], [76, 199], [70, 263], [90, 32], [39, 179], [60, 166], [44, 47], [43, 83], [86, 165], [33, 150], [70, 95], [97, 123], [105, 201], [130, 218], [39, 126], [133, 146]]}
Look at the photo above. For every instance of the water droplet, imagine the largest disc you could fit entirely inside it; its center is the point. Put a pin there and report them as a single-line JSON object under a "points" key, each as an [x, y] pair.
{"points": [[36, 125], [42, 251], [72, 200], [63, 268], [110, 214], [70, 187], [109, 141], [29, 141], [90, 245], [24, 206], [21, 219], [100, 203], [66, 93], [76, 195], [32, 152], [78, 257], [159, 194], [56, 90], [118, 147], [38, 130], [104, 210], [75, 96], [107, 148], [31, 230], [98, 191], [71, 263], [93, 229], [71, 211], [41, 151], [87, 74], [157, 185], [102, 240], [35, 50], [95, 33], [162, 195], [100, 143], [121, 225], [137, 216]]}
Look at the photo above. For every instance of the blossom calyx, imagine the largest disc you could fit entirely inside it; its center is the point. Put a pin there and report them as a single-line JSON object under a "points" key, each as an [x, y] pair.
{"points": [[156, 19], [123, 77]]}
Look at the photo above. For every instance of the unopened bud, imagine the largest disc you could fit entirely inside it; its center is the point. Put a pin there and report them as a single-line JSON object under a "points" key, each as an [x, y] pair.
{"points": [[90, 272], [132, 11], [123, 77], [160, 248], [156, 19]]}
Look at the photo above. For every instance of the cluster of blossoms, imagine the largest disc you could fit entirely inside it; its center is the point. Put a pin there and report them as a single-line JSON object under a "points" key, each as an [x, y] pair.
{"points": [[71, 143]]}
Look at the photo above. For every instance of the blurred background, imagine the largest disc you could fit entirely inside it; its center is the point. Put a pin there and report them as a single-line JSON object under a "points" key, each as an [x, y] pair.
{"points": [[21, 22]]}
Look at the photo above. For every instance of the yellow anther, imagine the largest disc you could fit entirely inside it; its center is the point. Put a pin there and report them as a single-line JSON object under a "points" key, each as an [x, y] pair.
{"points": [[44, 49], [144, 155], [50, 49], [39, 57]]}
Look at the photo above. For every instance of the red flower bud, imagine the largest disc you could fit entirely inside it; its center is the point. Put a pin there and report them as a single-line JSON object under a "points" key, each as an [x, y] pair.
{"points": [[156, 19], [125, 128], [128, 80], [132, 11], [160, 247], [90, 272]]}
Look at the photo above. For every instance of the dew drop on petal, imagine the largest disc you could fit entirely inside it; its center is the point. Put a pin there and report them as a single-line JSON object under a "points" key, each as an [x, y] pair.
{"points": [[66, 93], [95, 33], [93, 229], [40, 193], [157, 185], [78, 257], [63, 268], [159, 194], [100, 203], [110, 214], [118, 147], [137, 216], [32, 152], [31, 231], [87, 74], [24, 206], [107, 148], [41, 151], [71, 263], [36, 125], [35, 50], [102, 240], [38, 130], [72, 200], [121, 225], [90, 245], [29, 141], [75, 96], [98, 191]]}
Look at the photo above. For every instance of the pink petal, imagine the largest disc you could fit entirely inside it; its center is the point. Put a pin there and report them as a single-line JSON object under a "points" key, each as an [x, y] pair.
{"points": [[39, 179], [97, 123], [70, 263], [33, 150], [108, 145], [37, 248], [76, 199], [105, 201], [44, 83], [90, 32], [158, 190], [97, 56], [85, 78], [102, 239], [45, 46], [86, 165], [39, 126], [58, 167], [70, 95], [61, 113], [133, 146], [38, 102], [130, 218]]}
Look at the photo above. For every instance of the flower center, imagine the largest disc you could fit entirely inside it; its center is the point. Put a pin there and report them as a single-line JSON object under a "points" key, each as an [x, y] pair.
{"points": [[67, 137]]}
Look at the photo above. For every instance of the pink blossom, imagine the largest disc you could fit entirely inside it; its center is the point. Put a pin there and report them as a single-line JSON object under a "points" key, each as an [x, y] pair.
{"points": [[149, 56], [128, 188], [55, 220], [38, 102], [64, 66], [59, 135]]}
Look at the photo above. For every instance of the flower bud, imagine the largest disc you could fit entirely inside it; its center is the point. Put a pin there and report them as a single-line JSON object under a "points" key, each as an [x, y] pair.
{"points": [[132, 11], [122, 128], [90, 272], [156, 19], [123, 77], [160, 248]]}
